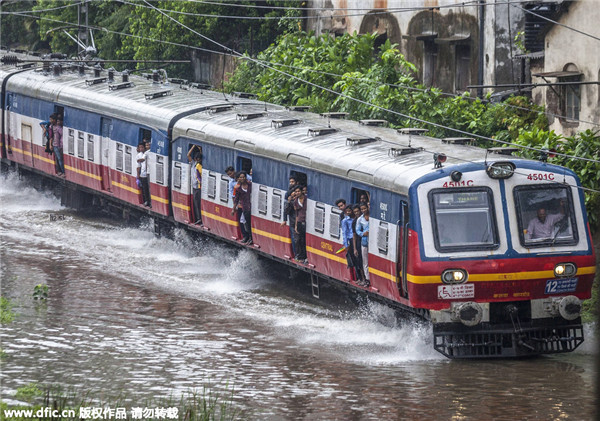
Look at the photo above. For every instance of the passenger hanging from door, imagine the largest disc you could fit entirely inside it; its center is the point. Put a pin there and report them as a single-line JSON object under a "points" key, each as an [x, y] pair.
{"points": [[196, 181], [242, 193], [56, 144], [362, 230], [142, 160], [300, 204], [47, 132]]}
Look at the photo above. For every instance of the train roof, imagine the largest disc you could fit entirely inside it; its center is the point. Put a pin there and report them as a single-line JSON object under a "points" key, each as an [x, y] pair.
{"points": [[379, 156], [359, 151]]}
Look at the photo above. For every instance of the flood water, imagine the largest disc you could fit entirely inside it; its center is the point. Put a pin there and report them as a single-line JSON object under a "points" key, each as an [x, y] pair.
{"points": [[136, 315]]}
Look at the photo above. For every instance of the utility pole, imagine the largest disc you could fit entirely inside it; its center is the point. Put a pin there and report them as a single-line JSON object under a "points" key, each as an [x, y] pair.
{"points": [[83, 18]]}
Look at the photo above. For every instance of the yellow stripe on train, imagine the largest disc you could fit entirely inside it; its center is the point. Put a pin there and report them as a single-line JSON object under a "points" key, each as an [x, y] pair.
{"points": [[498, 277]]}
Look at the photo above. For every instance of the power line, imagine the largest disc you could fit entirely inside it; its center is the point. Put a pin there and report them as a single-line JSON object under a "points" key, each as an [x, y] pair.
{"points": [[426, 90], [54, 8], [229, 51], [364, 102], [555, 22]]}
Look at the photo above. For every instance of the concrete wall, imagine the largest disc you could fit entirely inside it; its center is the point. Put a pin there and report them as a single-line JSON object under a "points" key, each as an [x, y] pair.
{"points": [[564, 47], [400, 25]]}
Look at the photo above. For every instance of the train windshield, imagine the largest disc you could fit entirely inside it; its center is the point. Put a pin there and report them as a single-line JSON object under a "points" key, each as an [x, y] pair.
{"points": [[545, 215], [463, 219]]}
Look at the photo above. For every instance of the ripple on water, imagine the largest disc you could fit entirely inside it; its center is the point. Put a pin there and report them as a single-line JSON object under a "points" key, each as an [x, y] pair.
{"points": [[150, 316]]}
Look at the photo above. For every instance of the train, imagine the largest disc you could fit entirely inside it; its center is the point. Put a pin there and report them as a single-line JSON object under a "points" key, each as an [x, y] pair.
{"points": [[453, 227]]}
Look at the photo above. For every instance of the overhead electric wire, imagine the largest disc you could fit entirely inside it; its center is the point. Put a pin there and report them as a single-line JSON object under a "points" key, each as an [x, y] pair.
{"points": [[555, 22], [55, 8], [261, 63], [364, 102], [393, 112], [412, 88]]}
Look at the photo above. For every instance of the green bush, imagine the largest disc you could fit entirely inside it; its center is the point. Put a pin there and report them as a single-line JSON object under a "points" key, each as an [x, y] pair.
{"points": [[384, 80], [584, 144]]}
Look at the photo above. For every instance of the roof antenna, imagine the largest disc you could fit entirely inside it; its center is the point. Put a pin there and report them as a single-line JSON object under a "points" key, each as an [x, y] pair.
{"points": [[265, 105], [329, 119]]}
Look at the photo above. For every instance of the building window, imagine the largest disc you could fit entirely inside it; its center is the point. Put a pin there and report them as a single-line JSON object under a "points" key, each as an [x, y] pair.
{"points": [[462, 67], [430, 55], [571, 97]]}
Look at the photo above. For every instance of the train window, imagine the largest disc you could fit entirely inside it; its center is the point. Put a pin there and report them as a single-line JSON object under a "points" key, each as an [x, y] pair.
{"points": [[26, 132], [119, 157], [463, 219], [59, 110], [320, 217], [360, 196], [211, 190], [383, 234], [80, 144], [90, 147], [160, 169], [301, 178], [334, 222], [128, 159], [177, 175], [244, 164], [276, 204], [224, 188], [144, 134], [545, 215], [262, 200], [71, 142]]}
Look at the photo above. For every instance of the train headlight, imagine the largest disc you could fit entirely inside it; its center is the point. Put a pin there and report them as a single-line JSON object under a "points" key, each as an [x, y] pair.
{"points": [[454, 276], [565, 270], [455, 175], [499, 170]]}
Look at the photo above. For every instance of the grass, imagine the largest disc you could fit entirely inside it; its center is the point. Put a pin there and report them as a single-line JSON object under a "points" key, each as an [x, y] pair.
{"points": [[591, 307], [208, 405]]}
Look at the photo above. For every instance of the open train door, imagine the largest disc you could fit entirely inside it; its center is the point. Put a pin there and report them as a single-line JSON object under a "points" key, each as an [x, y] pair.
{"points": [[402, 251], [105, 160]]}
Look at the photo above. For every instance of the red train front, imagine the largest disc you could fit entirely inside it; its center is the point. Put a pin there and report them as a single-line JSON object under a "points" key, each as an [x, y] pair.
{"points": [[501, 255]]}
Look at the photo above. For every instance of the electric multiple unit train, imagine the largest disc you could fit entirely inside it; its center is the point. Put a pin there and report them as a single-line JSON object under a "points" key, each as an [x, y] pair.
{"points": [[454, 229]]}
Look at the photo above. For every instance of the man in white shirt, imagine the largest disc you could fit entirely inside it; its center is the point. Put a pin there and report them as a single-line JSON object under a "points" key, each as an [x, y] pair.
{"points": [[142, 160]]}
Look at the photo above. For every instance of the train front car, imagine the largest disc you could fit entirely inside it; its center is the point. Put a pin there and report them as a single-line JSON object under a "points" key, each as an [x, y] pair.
{"points": [[501, 254]]}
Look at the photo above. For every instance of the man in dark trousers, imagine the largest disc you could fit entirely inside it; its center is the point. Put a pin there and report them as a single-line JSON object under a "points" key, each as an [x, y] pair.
{"points": [[195, 159], [300, 204]]}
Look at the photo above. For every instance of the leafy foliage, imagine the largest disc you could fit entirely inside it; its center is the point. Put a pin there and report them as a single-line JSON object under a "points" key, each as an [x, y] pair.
{"points": [[384, 80], [584, 144], [237, 34], [40, 292], [6, 313]]}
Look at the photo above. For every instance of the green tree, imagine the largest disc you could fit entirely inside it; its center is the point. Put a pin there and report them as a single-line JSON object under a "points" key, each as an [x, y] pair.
{"points": [[19, 31], [242, 35]]}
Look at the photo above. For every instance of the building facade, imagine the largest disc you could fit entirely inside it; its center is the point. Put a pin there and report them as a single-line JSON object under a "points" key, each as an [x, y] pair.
{"points": [[454, 45], [571, 59]]}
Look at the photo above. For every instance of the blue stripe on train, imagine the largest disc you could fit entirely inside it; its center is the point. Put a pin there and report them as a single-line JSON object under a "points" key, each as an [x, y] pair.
{"points": [[322, 187], [89, 122]]}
